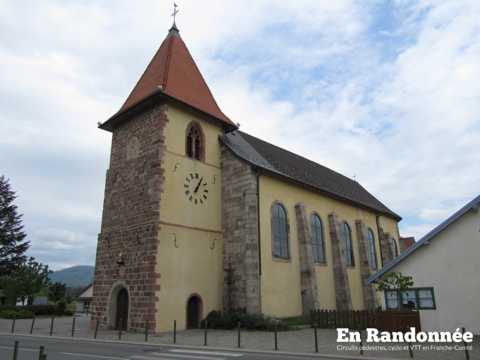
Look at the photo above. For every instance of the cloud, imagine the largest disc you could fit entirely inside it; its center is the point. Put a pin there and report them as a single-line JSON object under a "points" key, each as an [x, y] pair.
{"points": [[384, 91], [405, 125], [419, 230]]}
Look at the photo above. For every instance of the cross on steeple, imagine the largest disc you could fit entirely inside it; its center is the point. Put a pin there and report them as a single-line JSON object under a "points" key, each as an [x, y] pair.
{"points": [[174, 14]]}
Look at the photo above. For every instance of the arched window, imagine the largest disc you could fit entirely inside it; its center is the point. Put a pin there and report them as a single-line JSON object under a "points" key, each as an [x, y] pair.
{"points": [[372, 254], [318, 245], [194, 142], [279, 231], [393, 248], [347, 244]]}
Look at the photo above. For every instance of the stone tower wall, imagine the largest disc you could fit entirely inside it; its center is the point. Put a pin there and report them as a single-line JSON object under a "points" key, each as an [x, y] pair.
{"points": [[128, 242]]}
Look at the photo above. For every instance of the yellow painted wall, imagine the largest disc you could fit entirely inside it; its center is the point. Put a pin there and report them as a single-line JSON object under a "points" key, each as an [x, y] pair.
{"points": [[175, 206], [281, 279], [189, 265], [190, 262], [186, 262]]}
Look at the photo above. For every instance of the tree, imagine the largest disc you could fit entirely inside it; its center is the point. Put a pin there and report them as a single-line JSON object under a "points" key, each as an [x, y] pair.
{"points": [[12, 238], [57, 292], [395, 281], [25, 281]]}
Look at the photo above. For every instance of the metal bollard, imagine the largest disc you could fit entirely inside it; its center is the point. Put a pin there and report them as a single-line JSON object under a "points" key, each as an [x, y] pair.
{"points": [[13, 323], [73, 326], [467, 354], [316, 337], [205, 333], [96, 329], [15, 350], [361, 344], [276, 337], [120, 322], [146, 331], [51, 325], [239, 343], [33, 324], [174, 331], [41, 354]]}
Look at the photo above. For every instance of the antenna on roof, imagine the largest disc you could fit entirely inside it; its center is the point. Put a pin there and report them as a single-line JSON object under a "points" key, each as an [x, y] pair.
{"points": [[354, 177]]}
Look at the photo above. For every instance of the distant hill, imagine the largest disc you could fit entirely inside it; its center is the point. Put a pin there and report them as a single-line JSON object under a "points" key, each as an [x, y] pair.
{"points": [[75, 276]]}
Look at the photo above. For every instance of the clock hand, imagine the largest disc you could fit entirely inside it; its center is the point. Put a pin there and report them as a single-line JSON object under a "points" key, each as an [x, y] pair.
{"points": [[198, 185]]}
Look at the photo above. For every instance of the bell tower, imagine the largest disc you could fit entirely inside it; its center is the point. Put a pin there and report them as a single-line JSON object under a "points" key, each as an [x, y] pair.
{"points": [[130, 274]]}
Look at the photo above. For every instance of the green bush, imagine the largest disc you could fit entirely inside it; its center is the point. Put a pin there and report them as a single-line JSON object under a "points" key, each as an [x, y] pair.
{"points": [[68, 312], [42, 310], [16, 314], [61, 307], [230, 320]]}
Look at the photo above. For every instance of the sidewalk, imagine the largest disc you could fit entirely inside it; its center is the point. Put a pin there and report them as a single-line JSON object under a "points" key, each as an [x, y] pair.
{"points": [[300, 341]]}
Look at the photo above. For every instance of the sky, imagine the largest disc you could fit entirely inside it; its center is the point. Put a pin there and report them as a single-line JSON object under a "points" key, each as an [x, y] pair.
{"points": [[386, 92]]}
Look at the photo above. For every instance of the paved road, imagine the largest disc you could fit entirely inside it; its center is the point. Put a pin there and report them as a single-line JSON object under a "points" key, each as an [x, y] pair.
{"points": [[62, 349]]}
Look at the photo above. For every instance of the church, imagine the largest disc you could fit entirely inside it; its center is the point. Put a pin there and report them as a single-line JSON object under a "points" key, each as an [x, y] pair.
{"points": [[200, 216]]}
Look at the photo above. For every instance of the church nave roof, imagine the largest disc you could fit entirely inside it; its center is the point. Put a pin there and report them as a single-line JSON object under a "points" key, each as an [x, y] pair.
{"points": [[286, 164]]}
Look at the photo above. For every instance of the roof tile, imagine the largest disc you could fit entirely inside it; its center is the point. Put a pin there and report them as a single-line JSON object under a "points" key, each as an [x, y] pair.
{"points": [[298, 168], [173, 70]]}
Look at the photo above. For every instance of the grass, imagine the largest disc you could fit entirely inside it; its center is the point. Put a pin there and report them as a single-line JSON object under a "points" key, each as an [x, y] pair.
{"points": [[297, 321]]}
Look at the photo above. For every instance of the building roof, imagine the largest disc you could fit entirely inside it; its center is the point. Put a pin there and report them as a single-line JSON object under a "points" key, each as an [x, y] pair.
{"points": [[173, 72], [426, 240], [87, 293], [406, 242], [299, 169]]}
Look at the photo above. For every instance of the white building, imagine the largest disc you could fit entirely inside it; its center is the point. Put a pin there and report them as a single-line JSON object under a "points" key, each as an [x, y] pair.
{"points": [[445, 266], [84, 300]]}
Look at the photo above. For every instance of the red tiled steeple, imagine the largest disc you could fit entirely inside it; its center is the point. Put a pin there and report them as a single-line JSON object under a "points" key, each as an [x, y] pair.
{"points": [[173, 71]]}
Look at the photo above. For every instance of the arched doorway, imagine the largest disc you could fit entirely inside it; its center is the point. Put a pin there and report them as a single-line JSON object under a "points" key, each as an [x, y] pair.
{"points": [[121, 318], [194, 311]]}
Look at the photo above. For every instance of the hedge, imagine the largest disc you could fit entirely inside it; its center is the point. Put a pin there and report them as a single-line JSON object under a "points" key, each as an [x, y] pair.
{"points": [[37, 310], [15, 314]]}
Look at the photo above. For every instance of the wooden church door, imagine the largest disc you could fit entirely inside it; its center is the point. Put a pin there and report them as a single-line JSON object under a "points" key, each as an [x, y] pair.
{"points": [[194, 310], [122, 310]]}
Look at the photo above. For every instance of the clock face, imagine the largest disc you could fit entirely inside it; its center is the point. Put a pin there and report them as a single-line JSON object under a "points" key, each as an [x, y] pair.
{"points": [[196, 189]]}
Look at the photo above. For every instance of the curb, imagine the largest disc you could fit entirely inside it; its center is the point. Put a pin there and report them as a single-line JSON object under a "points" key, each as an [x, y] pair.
{"points": [[233, 350]]}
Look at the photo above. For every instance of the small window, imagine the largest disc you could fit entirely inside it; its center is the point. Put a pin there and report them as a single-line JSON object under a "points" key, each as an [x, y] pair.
{"points": [[425, 298], [415, 298], [348, 245], [393, 248], [372, 254], [279, 231], [194, 142], [391, 299], [318, 245], [409, 299]]}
